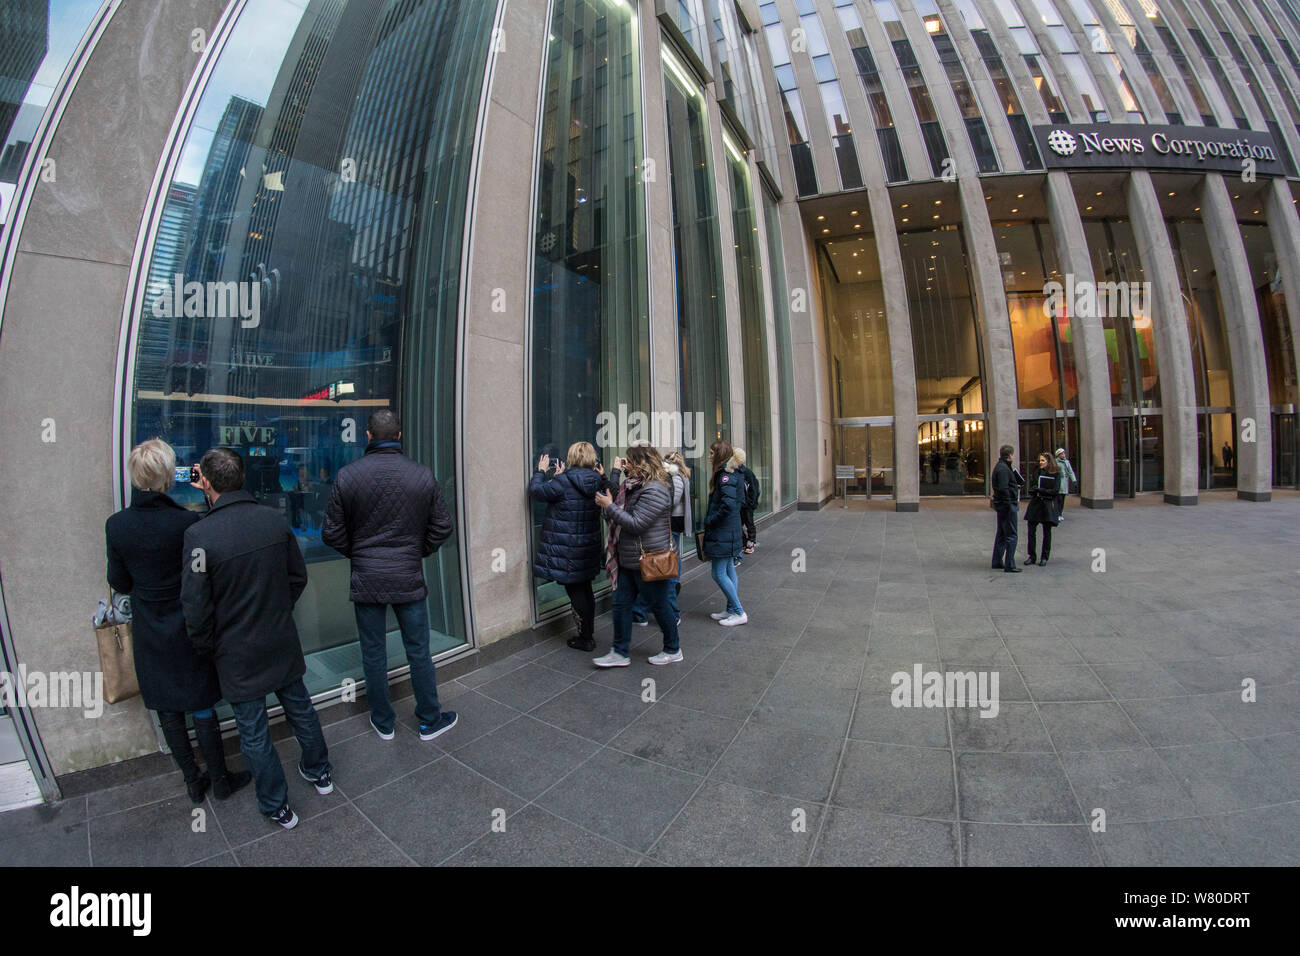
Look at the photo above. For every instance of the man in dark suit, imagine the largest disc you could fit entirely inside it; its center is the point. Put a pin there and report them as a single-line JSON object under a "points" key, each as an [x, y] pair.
{"points": [[386, 513], [243, 573], [1006, 498]]}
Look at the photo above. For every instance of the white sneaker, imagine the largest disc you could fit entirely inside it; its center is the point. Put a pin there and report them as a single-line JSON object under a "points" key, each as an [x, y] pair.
{"points": [[734, 619], [612, 659], [719, 615], [663, 657]]}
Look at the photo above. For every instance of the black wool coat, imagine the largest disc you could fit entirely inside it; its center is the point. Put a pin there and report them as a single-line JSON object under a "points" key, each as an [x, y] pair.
{"points": [[386, 513], [571, 547], [1042, 504], [239, 601], [145, 554], [723, 535]]}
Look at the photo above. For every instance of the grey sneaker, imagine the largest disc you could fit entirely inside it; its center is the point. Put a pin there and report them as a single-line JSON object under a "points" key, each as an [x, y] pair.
{"points": [[734, 619], [663, 657], [612, 659], [323, 784], [284, 817]]}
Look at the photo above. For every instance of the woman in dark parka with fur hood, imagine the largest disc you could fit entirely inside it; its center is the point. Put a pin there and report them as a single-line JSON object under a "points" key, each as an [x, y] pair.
{"points": [[724, 537], [570, 549]]}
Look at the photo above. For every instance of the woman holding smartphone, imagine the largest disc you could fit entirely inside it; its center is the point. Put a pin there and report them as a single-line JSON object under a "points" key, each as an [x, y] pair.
{"points": [[724, 537], [145, 554], [639, 521]]}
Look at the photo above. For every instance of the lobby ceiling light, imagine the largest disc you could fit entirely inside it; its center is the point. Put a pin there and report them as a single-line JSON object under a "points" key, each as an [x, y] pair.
{"points": [[1020, 195], [1089, 209], [938, 202], [935, 216], [825, 230], [905, 219], [1173, 194], [821, 218], [1015, 210], [857, 225], [853, 213]]}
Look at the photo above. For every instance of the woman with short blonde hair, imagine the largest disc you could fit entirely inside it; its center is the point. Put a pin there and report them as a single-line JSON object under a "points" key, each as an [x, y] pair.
{"points": [[146, 551], [582, 455], [152, 465]]}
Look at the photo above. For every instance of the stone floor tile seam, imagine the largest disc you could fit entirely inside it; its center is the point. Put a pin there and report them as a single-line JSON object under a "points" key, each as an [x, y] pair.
{"points": [[533, 805], [388, 783]]}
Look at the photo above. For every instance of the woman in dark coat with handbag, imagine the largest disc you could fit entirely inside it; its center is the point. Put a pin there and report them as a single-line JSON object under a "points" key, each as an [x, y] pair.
{"points": [[145, 554], [724, 537], [1042, 506], [639, 519], [570, 549]]}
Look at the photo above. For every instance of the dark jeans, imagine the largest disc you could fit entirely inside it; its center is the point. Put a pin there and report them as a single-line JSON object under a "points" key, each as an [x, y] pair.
{"points": [[583, 599], [1033, 540], [255, 743], [1060, 505], [747, 522], [1004, 542], [372, 631], [629, 587]]}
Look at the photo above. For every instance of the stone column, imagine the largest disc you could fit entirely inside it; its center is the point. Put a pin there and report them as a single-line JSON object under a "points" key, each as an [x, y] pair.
{"points": [[1173, 345], [1097, 469], [1245, 340]]}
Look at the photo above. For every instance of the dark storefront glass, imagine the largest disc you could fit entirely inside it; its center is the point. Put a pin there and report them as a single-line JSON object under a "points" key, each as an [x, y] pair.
{"points": [[307, 272], [701, 319], [37, 40], [949, 367], [1279, 351], [590, 315], [784, 348], [753, 324]]}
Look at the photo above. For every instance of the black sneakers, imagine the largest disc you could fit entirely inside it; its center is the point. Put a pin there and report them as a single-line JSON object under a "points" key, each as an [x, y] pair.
{"points": [[284, 817], [323, 784], [444, 724]]}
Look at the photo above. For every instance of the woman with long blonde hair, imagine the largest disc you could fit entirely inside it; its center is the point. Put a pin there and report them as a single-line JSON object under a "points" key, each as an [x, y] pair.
{"points": [[723, 536], [639, 522]]}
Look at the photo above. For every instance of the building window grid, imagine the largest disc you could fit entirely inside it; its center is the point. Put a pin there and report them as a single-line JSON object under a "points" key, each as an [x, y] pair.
{"points": [[1100, 44], [832, 98], [1174, 50], [886, 134], [931, 133], [796, 124], [1002, 84], [976, 129]]}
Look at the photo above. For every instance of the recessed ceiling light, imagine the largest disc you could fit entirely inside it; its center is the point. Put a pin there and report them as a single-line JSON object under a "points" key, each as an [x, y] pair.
{"points": [[1197, 209], [857, 225], [1236, 197], [938, 202], [1089, 209], [820, 218], [1015, 210], [905, 219], [935, 216], [853, 213], [1098, 192], [904, 206], [1020, 195], [825, 230]]}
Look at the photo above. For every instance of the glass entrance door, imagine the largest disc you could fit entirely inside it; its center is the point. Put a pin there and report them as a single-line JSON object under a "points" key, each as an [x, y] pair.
{"points": [[1284, 450], [868, 449], [1125, 459], [1036, 436]]}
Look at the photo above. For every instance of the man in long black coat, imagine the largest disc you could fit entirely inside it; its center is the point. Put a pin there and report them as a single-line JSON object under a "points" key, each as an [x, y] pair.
{"points": [[386, 513], [243, 574]]}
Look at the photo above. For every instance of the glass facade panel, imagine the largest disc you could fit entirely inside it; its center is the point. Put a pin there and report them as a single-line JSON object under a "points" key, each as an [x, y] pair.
{"points": [[307, 271], [590, 323], [1130, 338], [753, 325], [858, 335], [37, 40], [701, 316], [1045, 374], [784, 349], [1279, 346]]}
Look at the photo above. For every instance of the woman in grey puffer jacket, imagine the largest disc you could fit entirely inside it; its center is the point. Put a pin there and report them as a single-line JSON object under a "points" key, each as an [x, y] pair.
{"points": [[639, 521]]}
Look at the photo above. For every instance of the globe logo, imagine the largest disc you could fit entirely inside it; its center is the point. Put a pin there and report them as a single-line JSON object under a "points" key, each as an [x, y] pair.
{"points": [[1062, 142]]}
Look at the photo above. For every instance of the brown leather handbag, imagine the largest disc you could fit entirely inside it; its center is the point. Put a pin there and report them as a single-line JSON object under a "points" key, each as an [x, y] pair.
{"points": [[658, 565], [117, 659]]}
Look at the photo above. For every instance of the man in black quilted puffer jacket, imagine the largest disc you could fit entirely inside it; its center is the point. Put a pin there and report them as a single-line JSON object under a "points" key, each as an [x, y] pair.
{"points": [[386, 513]]}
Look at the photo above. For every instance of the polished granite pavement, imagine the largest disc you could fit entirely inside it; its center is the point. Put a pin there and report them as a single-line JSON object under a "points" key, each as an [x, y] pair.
{"points": [[777, 743]]}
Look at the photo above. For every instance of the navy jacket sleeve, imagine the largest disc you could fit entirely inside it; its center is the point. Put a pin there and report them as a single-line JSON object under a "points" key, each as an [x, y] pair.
{"points": [[297, 568], [438, 530], [545, 489], [334, 530]]}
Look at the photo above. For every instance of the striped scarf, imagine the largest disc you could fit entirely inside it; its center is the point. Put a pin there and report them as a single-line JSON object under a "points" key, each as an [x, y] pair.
{"points": [[611, 543]]}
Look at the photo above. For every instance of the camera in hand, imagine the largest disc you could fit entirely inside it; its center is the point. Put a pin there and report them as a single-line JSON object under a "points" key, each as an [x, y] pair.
{"points": [[186, 474]]}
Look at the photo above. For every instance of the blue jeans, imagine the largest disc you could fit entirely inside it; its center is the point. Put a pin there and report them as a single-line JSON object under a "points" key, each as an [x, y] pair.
{"points": [[724, 575], [255, 743], [372, 631], [629, 587], [641, 608]]}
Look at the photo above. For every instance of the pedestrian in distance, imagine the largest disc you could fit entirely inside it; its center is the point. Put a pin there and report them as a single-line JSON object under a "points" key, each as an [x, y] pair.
{"points": [[569, 548], [1044, 492], [639, 518], [242, 576], [752, 492], [1068, 480], [387, 515], [146, 551], [723, 535], [1006, 502]]}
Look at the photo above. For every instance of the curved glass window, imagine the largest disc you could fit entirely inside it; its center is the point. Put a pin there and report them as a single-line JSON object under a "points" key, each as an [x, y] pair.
{"points": [[784, 350], [753, 325], [590, 315], [307, 271], [37, 40], [697, 259]]}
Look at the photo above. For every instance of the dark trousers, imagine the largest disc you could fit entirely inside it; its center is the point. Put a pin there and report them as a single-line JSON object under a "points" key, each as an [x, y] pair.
{"points": [[1033, 540], [1060, 507], [747, 522], [207, 730], [372, 632], [1004, 542], [583, 599], [255, 743], [656, 593]]}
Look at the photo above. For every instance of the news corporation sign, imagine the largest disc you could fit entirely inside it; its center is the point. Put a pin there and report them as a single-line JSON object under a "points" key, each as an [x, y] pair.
{"points": [[1139, 146]]}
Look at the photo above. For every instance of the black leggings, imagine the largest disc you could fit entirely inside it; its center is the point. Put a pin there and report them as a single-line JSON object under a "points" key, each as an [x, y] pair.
{"points": [[1033, 539], [583, 600], [208, 732]]}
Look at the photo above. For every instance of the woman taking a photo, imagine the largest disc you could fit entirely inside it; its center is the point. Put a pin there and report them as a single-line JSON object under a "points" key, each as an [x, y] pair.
{"points": [[146, 549], [723, 537], [1042, 506], [639, 524], [569, 549]]}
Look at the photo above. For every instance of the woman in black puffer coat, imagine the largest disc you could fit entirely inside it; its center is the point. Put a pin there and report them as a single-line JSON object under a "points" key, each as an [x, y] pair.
{"points": [[724, 536], [1043, 491], [570, 549]]}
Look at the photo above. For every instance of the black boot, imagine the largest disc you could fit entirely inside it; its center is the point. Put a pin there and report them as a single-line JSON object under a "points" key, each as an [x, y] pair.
{"points": [[178, 740], [224, 783]]}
